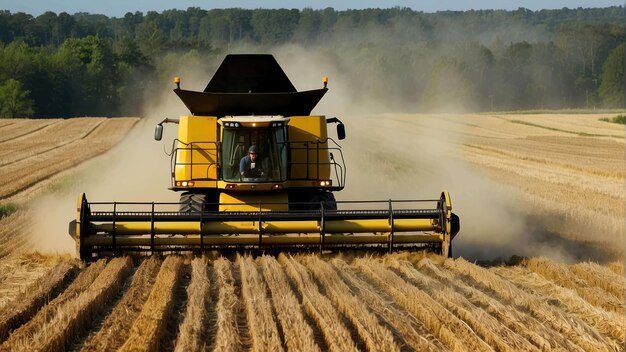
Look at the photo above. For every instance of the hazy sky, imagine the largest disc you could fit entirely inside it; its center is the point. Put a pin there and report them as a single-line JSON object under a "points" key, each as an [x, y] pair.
{"points": [[118, 8]]}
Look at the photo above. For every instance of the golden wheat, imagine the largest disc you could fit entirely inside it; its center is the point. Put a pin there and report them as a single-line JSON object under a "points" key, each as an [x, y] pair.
{"points": [[18, 271], [599, 276], [617, 267], [72, 318], [571, 326], [56, 160], [336, 334], [259, 313], [298, 334], [413, 331], [608, 323], [592, 157], [80, 284], [116, 328], [561, 275], [517, 321], [16, 128], [489, 329], [25, 305], [375, 336], [447, 328], [147, 330], [55, 136], [190, 337], [14, 239], [227, 334], [589, 124]]}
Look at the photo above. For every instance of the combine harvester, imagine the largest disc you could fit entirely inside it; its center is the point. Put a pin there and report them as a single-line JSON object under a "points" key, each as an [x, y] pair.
{"points": [[256, 171]]}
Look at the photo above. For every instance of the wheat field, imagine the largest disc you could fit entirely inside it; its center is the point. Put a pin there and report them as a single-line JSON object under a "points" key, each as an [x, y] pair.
{"points": [[570, 166], [569, 170], [413, 301]]}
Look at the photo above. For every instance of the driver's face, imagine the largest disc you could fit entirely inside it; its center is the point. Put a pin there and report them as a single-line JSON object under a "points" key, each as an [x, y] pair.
{"points": [[253, 156]]}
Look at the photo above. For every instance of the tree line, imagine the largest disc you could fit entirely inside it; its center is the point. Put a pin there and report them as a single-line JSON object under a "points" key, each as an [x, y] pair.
{"points": [[62, 65]]}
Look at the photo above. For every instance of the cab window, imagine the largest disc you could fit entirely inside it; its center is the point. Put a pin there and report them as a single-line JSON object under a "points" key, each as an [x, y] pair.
{"points": [[271, 161]]}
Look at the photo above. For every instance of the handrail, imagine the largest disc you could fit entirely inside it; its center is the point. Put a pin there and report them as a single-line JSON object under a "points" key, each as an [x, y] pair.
{"points": [[336, 164]]}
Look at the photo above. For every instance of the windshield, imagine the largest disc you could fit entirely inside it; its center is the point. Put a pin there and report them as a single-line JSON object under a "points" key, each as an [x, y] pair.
{"points": [[266, 163]]}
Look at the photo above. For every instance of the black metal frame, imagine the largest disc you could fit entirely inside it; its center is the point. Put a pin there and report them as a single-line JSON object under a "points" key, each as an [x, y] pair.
{"points": [[190, 147], [114, 214], [339, 167]]}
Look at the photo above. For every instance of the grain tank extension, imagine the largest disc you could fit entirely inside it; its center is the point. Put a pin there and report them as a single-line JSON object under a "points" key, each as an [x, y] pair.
{"points": [[256, 171]]}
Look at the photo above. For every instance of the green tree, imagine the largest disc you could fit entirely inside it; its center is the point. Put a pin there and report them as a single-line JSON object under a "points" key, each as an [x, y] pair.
{"points": [[150, 37], [612, 80], [14, 100], [90, 65], [274, 26]]}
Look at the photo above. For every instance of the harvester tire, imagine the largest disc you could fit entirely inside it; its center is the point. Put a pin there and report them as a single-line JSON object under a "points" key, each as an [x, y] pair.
{"points": [[312, 201], [192, 202], [328, 200]]}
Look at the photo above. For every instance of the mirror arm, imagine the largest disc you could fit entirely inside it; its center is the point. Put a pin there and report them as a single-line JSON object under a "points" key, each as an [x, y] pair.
{"points": [[333, 120], [158, 132], [168, 120]]}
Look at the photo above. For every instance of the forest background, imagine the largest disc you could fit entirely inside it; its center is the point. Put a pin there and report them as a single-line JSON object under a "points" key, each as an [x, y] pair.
{"points": [[62, 65]]}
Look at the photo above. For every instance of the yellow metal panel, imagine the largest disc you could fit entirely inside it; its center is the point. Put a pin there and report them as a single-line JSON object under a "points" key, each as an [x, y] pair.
{"points": [[254, 187], [250, 201], [309, 239], [268, 227], [197, 150], [305, 132]]}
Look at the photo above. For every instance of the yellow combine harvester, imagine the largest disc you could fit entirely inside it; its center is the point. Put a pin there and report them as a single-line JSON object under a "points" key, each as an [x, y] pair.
{"points": [[256, 170]]}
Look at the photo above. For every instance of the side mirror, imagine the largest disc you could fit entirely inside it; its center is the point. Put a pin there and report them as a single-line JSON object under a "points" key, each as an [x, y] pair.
{"points": [[158, 132], [341, 131]]}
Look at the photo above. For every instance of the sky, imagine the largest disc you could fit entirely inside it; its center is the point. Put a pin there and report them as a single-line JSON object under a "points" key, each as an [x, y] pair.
{"points": [[117, 8]]}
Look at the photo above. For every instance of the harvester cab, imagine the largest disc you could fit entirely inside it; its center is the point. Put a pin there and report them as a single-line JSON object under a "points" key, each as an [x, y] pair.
{"points": [[255, 170]]}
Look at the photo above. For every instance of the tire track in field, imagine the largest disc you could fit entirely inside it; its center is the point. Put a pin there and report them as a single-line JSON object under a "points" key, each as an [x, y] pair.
{"points": [[57, 162], [29, 124], [46, 148], [4, 124], [211, 313], [259, 313]]}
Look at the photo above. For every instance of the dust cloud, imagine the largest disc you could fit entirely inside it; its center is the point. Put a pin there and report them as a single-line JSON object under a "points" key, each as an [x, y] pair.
{"points": [[388, 156], [414, 156], [136, 170]]}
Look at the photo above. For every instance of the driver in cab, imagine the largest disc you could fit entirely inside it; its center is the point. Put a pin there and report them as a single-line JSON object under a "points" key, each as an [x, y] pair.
{"points": [[250, 165]]}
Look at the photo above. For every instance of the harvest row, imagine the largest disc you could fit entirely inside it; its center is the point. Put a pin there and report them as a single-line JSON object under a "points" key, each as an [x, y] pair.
{"points": [[401, 301]]}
